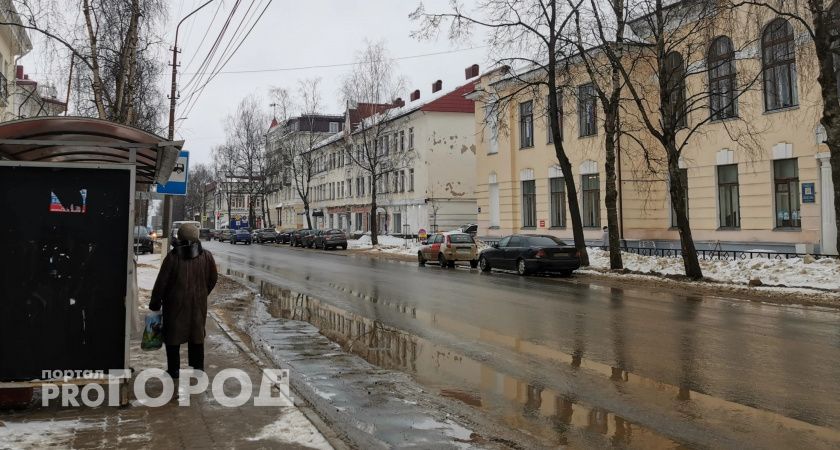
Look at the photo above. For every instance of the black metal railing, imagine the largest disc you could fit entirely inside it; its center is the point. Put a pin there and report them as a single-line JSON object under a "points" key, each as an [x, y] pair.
{"points": [[712, 254]]}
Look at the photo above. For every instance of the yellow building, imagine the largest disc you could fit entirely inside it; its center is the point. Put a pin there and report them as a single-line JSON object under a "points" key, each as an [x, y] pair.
{"points": [[758, 173]]}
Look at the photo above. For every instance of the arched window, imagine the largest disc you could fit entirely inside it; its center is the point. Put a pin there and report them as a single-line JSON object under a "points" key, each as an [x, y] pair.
{"points": [[675, 86], [779, 65], [721, 64]]}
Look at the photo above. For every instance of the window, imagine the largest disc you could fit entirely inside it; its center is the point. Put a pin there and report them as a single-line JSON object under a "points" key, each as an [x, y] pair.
{"points": [[491, 128], [397, 223], [786, 175], [493, 188], [411, 138], [349, 187], [591, 188], [728, 202], [684, 181], [402, 140], [526, 124], [402, 180], [675, 109], [387, 143], [410, 180], [504, 242], [396, 180], [587, 113], [558, 202], [529, 204], [334, 127], [722, 79], [549, 135], [358, 223], [779, 66]]}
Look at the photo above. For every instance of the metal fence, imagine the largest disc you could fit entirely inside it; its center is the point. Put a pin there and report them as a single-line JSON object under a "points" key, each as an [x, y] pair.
{"points": [[725, 255]]}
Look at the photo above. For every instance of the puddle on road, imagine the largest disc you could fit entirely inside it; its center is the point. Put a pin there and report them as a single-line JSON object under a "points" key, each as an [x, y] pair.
{"points": [[554, 417], [553, 414]]}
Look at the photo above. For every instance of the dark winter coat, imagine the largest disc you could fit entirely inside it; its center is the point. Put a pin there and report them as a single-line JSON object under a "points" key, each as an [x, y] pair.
{"points": [[186, 277]]}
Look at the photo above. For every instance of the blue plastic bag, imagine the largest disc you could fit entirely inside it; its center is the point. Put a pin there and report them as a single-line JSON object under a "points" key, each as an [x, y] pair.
{"points": [[152, 332]]}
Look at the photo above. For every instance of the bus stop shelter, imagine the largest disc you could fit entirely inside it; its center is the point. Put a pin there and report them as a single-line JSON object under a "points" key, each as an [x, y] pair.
{"points": [[67, 273]]}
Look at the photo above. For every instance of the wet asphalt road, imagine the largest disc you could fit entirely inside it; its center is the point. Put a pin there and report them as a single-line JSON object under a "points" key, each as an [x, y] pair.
{"points": [[554, 357]]}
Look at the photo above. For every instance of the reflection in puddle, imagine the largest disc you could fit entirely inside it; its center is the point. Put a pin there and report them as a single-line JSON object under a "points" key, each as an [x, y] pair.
{"points": [[553, 416]]}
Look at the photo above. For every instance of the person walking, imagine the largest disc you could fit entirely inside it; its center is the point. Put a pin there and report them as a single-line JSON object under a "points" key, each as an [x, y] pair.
{"points": [[187, 276]]}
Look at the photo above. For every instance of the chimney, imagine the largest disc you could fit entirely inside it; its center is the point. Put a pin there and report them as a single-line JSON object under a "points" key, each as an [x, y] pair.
{"points": [[398, 102], [26, 77], [471, 71], [436, 86], [415, 95], [19, 72]]}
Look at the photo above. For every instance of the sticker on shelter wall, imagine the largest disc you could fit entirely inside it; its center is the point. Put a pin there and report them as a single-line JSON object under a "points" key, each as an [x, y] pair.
{"points": [[57, 207]]}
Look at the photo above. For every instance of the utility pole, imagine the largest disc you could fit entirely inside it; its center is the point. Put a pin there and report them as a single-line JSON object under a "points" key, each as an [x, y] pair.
{"points": [[173, 97]]}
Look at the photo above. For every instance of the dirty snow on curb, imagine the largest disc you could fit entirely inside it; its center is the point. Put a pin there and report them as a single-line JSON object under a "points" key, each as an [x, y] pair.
{"points": [[387, 244], [293, 428], [40, 434], [823, 273]]}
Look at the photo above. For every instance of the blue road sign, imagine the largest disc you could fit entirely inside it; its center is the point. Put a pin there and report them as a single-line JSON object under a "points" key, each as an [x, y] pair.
{"points": [[808, 193], [177, 184]]}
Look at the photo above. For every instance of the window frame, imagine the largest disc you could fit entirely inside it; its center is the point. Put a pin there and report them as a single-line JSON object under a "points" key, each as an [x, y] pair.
{"points": [[526, 124], [587, 110], [557, 207], [727, 187], [769, 45], [549, 134], [723, 74], [529, 203], [676, 74], [587, 193], [792, 185]]}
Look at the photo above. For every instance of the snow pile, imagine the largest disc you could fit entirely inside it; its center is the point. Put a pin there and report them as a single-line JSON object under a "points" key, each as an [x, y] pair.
{"points": [[387, 244], [806, 272], [41, 434]]}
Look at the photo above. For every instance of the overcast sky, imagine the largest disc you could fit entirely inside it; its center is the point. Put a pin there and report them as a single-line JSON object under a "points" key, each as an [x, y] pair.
{"points": [[294, 34]]}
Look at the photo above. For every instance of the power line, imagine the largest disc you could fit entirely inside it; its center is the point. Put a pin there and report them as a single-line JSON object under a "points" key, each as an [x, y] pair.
{"points": [[212, 52], [326, 66], [212, 76], [206, 32]]}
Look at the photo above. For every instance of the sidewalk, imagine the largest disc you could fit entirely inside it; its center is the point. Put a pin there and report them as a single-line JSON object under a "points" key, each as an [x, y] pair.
{"points": [[203, 424]]}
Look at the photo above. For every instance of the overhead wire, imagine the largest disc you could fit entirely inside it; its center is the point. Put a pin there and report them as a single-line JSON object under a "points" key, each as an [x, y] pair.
{"points": [[198, 92], [213, 49], [203, 38]]}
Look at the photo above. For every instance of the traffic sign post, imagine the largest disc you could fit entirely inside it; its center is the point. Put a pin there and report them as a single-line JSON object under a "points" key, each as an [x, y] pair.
{"points": [[177, 184]]}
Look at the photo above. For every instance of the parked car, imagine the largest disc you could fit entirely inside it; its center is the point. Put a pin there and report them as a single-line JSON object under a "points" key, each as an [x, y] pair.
{"points": [[330, 239], [469, 228], [225, 234], [531, 253], [308, 239], [143, 242], [265, 235], [214, 234], [204, 234], [447, 249], [297, 237], [284, 236], [241, 235]]}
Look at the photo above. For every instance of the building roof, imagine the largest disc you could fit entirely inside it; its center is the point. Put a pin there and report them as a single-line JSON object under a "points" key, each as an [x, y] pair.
{"points": [[88, 140]]}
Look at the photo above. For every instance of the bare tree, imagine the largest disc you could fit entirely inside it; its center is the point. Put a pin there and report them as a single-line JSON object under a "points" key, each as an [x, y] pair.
{"points": [[370, 88], [528, 37], [245, 141], [196, 200], [821, 20], [674, 42], [113, 46], [293, 147]]}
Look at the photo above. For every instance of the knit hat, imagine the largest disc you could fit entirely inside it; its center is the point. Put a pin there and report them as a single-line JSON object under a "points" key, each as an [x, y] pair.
{"points": [[188, 233]]}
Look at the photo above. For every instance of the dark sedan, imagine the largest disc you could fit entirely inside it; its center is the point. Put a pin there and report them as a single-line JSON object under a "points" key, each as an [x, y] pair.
{"points": [[328, 239], [241, 235], [265, 235], [298, 238], [143, 242], [530, 253], [284, 236], [308, 239]]}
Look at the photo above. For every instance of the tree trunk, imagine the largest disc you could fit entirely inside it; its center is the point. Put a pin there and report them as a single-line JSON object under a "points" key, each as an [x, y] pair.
{"points": [[306, 211], [94, 59], [830, 119], [574, 206], [677, 190], [611, 195], [374, 239]]}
